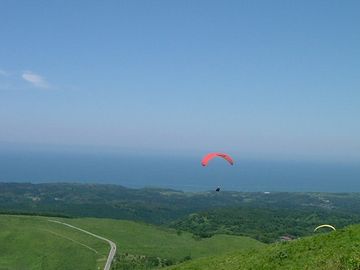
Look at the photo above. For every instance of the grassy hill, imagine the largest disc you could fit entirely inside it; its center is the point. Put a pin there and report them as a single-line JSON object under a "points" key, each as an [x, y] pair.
{"points": [[35, 243], [30, 242], [150, 240], [328, 251]]}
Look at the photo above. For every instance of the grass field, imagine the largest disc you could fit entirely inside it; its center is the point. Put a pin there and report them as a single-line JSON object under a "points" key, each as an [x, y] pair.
{"points": [[331, 251], [28, 242], [34, 243], [144, 239]]}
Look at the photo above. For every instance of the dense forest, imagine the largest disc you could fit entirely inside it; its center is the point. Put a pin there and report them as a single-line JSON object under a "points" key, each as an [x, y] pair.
{"points": [[266, 225]]}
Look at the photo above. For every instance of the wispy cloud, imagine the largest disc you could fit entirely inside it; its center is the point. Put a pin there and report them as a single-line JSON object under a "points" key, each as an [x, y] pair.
{"points": [[4, 73], [35, 79]]}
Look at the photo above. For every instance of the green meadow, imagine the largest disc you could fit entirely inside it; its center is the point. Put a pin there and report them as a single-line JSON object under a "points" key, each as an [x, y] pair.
{"points": [[29, 242], [34, 243], [326, 251], [140, 238]]}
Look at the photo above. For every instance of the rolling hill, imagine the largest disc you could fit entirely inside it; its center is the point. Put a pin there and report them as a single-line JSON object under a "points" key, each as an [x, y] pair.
{"points": [[31, 242], [35, 243], [328, 251], [144, 239]]}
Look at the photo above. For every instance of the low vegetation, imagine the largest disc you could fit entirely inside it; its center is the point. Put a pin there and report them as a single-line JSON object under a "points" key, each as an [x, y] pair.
{"points": [[266, 225], [34, 243], [326, 251], [29, 242], [140, 243]]}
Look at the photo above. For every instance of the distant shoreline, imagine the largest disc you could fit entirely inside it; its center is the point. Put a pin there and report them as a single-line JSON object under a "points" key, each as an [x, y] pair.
{"points": [[159, 188]]}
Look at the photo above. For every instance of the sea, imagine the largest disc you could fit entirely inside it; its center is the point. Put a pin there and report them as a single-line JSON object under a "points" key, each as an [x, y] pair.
{"points": [[179, 172]]}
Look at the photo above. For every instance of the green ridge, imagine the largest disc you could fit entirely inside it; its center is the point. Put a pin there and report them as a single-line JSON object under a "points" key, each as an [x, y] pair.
{"points": [[338, 250]]}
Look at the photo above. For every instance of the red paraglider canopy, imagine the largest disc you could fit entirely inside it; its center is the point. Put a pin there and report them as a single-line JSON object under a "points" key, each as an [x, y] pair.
{"points": [[210, 156]]}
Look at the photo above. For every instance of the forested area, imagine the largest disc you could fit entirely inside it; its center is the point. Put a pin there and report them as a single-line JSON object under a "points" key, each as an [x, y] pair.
{"points": [[266, 225], [263, 216]]}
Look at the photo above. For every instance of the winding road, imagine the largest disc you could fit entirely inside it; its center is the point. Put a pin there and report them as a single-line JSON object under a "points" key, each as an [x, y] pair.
{"points": [[111, 243]]}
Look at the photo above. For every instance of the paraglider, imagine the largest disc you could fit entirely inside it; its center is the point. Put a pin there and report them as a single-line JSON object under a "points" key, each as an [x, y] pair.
{"points": [[210, 156], [324, 225]]}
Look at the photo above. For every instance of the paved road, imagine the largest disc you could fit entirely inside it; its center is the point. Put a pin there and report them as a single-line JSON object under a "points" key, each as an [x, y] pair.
{"points": [[112, 244]]}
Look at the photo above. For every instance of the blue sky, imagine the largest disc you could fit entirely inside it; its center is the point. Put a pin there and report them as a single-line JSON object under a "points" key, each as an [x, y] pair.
{"points": [[264, 79]]}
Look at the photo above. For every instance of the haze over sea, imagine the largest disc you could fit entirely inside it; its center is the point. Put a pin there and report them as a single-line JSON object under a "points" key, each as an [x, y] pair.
{"points": [[182, 172]]}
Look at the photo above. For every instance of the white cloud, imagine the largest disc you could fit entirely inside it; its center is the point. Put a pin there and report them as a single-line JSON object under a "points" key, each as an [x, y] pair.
{"points": [[35, 79]]}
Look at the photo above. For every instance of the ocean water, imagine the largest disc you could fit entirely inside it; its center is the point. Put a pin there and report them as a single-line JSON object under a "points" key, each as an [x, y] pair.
{"points": [[184, 173]]}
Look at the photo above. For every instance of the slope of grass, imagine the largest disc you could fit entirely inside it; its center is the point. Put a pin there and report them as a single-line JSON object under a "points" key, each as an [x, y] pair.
{"points": [[30, 242], [35, 243], [143, 239], [338, 250]]}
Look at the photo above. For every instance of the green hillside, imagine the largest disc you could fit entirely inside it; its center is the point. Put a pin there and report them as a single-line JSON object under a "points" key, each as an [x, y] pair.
{"points": [[328, 251], [28, 242], [35, 243], [144, 239]]}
